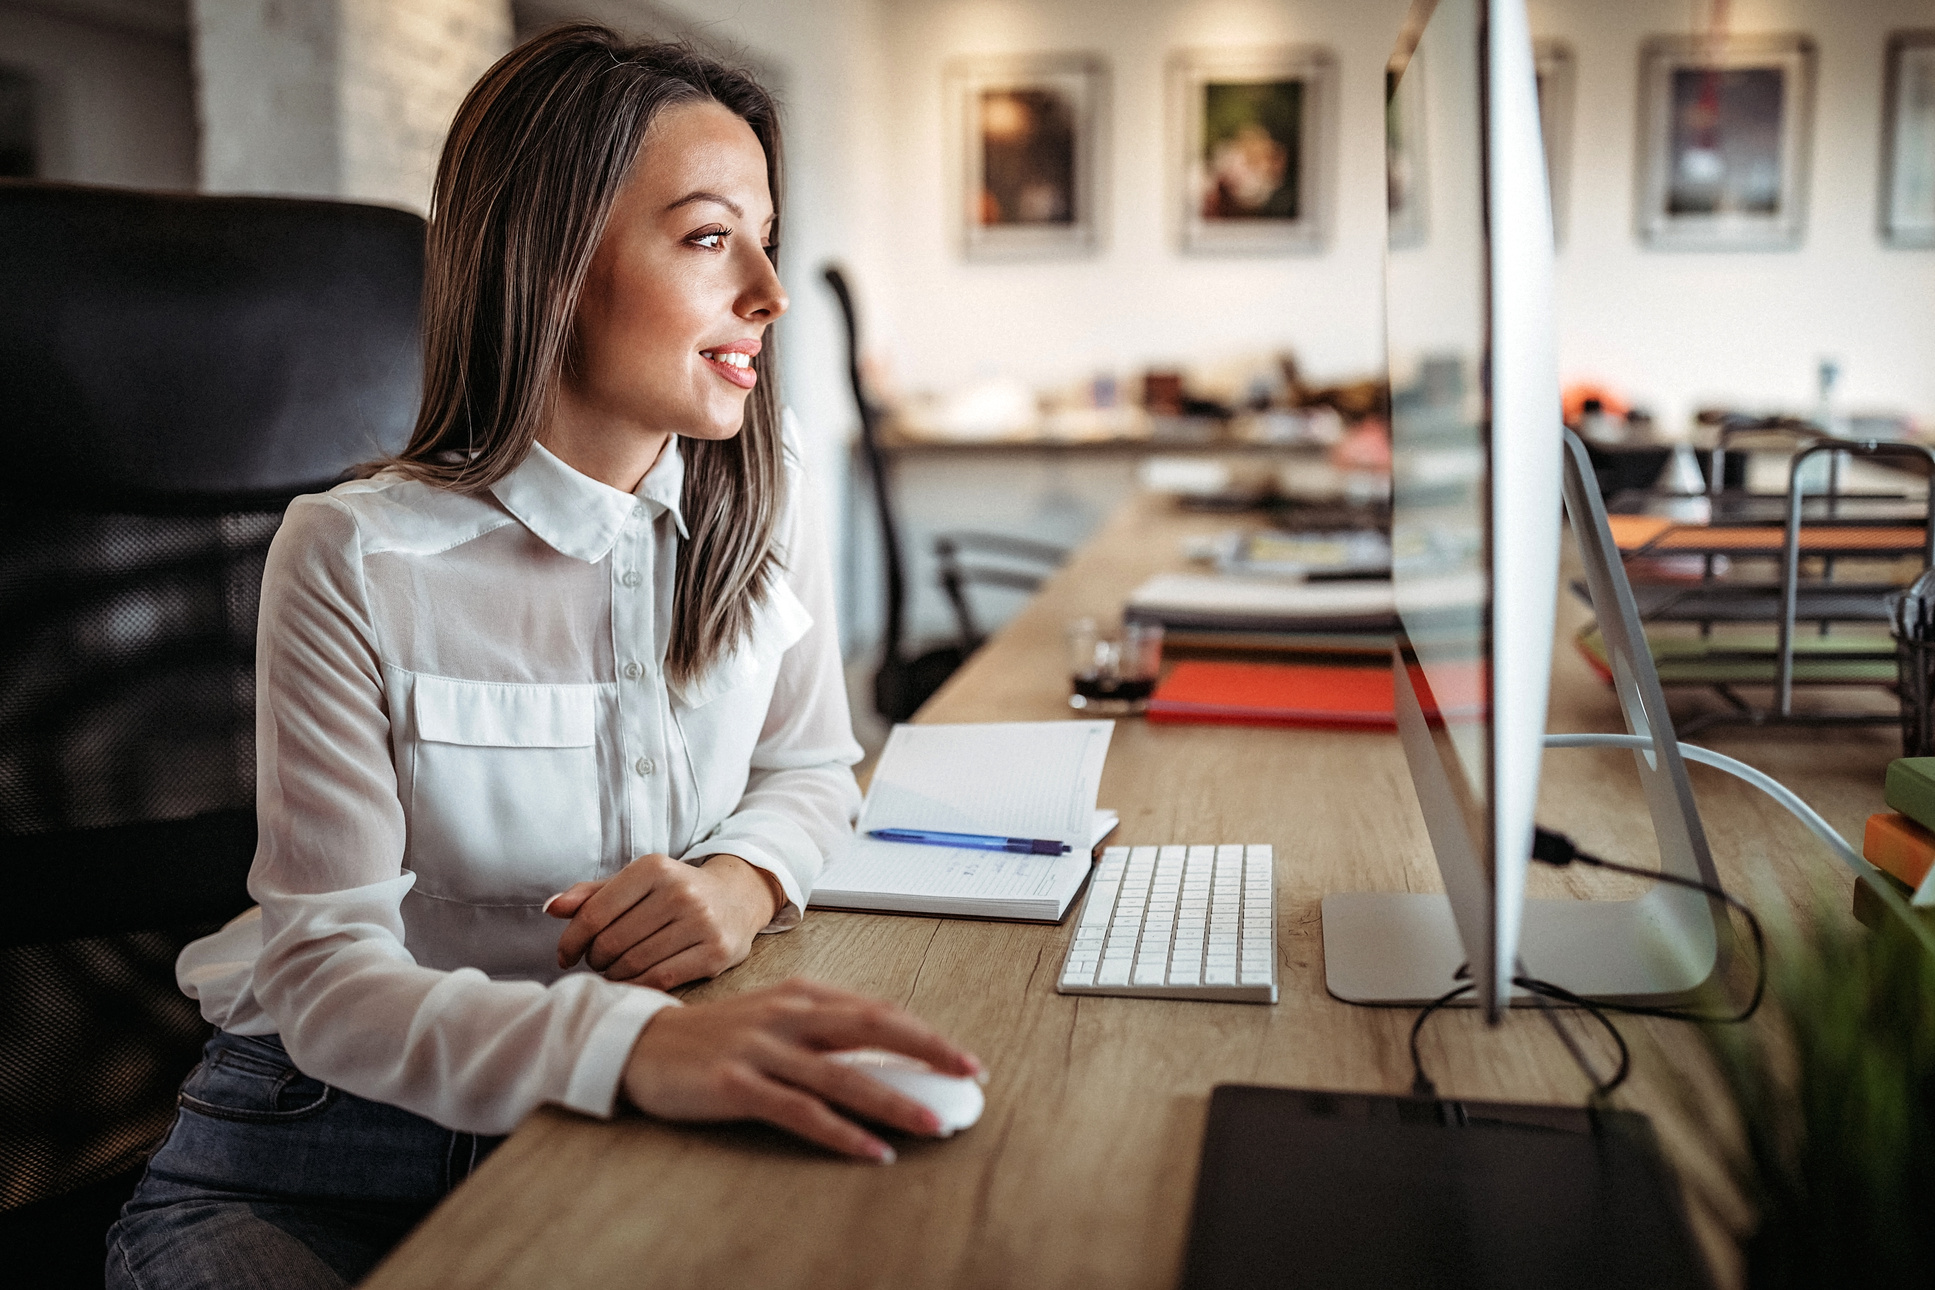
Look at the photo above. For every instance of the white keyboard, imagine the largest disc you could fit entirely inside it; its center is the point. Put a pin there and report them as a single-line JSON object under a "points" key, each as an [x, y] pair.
{"points": [[1178, 923]]}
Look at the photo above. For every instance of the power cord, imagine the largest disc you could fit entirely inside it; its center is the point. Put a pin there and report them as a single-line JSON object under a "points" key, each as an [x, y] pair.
{"points": [[1540, 992], [1423, 1087], [1556, 849], [1807, 815]]}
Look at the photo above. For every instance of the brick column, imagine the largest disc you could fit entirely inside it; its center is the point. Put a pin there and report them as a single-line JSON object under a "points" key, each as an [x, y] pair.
{"points": [[336, 98]]}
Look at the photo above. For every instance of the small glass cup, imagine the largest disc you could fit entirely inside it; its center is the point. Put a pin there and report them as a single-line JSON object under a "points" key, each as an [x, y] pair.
{"points": [[1113, 672]]}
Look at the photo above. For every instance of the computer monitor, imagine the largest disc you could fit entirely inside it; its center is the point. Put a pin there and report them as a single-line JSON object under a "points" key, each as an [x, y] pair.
{"points": [[1478, 464]]}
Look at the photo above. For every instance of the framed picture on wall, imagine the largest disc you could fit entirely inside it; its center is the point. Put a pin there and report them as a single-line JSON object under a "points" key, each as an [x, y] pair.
{"points": [[1029, 144], [1404, 162], [1251, 133], [1908, 133], [1553, 65], [1724, 130]]}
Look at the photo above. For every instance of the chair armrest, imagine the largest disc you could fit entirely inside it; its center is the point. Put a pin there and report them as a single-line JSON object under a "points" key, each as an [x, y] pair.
{"points": [[969, 541]]}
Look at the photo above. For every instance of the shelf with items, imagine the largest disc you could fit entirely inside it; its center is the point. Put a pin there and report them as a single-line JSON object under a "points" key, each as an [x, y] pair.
{"points": [[1764, 569]]}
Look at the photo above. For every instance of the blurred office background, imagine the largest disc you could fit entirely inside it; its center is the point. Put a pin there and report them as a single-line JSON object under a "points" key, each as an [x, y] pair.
{"points": [[1017, 350]]}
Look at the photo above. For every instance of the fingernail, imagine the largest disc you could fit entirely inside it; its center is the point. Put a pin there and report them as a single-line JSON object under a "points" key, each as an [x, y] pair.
{"points": [[545, 908], [884, 1154]]}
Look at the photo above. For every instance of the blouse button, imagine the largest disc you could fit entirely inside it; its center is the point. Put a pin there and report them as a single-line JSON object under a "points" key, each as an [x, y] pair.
{"points": [[633, 671], [632, 578], [644, 765]]}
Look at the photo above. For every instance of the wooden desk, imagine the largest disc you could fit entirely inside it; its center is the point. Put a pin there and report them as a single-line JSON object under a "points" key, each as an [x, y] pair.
{"points": [[1082, 1170]]}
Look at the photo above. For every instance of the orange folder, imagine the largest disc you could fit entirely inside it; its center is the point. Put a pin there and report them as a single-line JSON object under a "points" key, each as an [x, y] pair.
{"points": [[1897, 845], [1275, 694]]}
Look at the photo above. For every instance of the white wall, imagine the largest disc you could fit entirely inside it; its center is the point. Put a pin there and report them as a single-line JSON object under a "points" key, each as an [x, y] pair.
{"points": [[337, 98], [1140, 300], [117, 99], [405, 68], [1679, 329], [1675, 329]]}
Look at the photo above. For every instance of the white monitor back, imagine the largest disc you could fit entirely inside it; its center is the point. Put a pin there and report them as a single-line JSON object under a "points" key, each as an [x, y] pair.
{"points": [[1476, 432]]}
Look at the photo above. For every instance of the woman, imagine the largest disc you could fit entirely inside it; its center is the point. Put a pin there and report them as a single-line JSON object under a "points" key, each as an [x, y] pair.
{"points": [[550, 712]]}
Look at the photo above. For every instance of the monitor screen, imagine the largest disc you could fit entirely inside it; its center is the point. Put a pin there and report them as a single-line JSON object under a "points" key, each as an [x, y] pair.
{"points": [[1438, 335]]}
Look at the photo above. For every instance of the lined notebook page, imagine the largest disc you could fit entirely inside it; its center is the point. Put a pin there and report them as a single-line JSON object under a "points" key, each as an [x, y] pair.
{"points": [[1023, 779], [947, 873], [1017, 779]]}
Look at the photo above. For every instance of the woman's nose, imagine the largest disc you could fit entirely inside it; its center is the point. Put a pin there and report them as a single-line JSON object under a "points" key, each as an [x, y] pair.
{"points": [[764, 299]]}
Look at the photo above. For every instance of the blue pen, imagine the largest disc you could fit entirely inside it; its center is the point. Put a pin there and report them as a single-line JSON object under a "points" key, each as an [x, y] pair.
{"points": [[975, 841]]}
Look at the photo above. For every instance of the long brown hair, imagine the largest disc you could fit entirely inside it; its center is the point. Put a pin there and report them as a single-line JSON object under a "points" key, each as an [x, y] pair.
{"points": [[535, 158]]}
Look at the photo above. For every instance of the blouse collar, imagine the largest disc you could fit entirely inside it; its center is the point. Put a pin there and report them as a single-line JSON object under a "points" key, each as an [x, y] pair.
{"points": [[577, 515]]}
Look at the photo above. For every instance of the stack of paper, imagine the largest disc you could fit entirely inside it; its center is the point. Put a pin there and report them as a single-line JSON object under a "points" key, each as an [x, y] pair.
{"points": [[1023, 779]]}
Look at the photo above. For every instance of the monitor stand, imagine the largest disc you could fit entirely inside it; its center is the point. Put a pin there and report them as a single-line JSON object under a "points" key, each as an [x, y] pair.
{"points": [[1406, 948], [1402, 948]]}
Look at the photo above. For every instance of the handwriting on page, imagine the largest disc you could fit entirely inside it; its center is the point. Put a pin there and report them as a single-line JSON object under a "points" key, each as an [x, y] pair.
{"points": [[952, 872]]}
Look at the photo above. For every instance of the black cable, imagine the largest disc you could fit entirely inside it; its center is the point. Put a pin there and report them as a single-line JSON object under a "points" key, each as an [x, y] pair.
{"points": [[1542, 990], [1421, 1085], [1553, 848]]}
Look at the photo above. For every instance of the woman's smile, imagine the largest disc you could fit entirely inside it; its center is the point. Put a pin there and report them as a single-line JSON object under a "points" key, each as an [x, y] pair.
{"points": [[734, 362]]}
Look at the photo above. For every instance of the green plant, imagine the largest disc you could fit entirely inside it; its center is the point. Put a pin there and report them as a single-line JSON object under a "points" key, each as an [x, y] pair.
{"points": [[1833, 1089]]}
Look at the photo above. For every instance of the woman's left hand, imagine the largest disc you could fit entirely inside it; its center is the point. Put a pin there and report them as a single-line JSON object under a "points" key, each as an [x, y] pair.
{"points": [[660, 922]]}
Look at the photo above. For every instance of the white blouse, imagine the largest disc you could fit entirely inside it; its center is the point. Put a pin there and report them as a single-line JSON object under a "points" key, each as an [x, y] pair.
{"points": [[461, 710]]}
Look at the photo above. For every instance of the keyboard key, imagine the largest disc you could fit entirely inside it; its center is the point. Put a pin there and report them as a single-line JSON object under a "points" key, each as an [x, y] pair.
{"points": [[1178, 921]]}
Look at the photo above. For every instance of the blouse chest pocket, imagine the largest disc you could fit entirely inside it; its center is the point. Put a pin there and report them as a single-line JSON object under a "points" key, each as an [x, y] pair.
{"points": [[504, 798]]}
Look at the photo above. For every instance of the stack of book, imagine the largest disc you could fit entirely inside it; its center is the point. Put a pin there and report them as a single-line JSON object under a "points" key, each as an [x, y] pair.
{"points": [[1901, 842]]}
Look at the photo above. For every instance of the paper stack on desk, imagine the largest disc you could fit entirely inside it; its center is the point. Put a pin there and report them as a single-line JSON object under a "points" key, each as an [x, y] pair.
{"points": [[1024, 779]]}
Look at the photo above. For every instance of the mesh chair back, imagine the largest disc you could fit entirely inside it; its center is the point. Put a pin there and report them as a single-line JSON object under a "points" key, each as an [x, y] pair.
{"points": [[172, 371]]}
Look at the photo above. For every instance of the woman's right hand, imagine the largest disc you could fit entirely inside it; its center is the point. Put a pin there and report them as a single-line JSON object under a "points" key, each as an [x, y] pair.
{"points": [[761, 1056]]}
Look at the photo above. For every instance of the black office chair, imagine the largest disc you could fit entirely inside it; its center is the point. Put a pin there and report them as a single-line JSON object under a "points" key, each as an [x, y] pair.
{"points": [[969, 559], [173, 370], [902, 684]]}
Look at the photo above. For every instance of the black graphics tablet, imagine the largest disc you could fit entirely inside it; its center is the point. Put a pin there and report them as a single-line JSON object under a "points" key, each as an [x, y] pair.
{"points": [[1342, 1190]]}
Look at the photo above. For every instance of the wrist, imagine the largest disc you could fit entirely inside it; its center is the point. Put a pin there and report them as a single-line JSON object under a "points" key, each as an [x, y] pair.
{"points": [[752, 879]]}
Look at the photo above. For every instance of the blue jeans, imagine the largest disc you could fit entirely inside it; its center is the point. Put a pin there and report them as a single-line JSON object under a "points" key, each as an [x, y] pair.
{"points": [[272, 1179]]}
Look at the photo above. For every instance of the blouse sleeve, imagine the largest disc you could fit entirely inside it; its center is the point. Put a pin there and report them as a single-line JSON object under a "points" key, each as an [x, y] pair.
{"points": [[801, 798], [353, 1007]]}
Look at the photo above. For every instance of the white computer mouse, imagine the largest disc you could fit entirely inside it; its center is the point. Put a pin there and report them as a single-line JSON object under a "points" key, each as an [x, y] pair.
{"points": [[955, 1099]]}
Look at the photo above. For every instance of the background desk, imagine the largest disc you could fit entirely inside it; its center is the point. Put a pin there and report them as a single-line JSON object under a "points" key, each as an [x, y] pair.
{"points": [[1081, 1172], [1058, 491]]}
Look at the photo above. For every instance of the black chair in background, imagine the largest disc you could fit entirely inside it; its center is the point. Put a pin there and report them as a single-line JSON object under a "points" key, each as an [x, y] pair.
{"points": [[902, 684], [989, 560], [173, 370]]}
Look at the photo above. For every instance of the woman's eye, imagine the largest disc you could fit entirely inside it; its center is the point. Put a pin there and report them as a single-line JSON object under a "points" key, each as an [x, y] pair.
{"points": [[711, 239]]}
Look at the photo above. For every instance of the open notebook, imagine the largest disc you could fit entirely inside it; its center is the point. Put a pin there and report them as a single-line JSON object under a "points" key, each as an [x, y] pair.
{"points": [[1030, 779]]}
